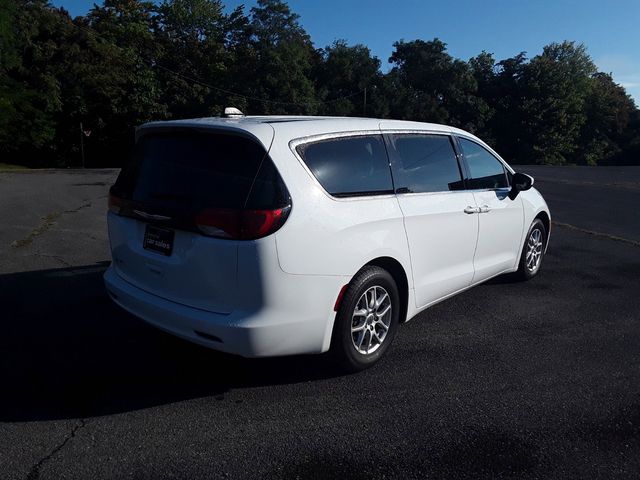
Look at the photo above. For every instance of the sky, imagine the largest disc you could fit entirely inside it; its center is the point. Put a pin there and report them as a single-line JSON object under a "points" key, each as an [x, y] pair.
{"points": [[610, 29]]}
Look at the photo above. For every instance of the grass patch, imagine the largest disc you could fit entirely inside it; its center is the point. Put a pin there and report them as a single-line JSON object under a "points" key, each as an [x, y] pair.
{"points": [[46, 223], [8, 167]]}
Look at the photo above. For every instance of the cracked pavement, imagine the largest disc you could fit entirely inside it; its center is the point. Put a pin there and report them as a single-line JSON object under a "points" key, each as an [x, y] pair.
{"points": [[507, 380], [34, 473], [53, 218]]}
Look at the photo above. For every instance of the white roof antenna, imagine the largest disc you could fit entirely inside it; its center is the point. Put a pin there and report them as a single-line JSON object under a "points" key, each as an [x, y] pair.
{"points": [[232, 112]]}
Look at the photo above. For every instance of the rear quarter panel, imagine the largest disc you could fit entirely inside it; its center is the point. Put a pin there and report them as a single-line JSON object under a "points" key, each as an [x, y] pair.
{"points": [[330, 236]]}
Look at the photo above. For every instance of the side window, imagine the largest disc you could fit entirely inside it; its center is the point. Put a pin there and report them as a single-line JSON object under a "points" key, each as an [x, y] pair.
{"points": [[485, 170], [349, 166], [425, 163]]}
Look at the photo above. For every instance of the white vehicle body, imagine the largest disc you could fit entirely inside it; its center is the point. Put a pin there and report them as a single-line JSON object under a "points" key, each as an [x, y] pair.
{"points": [[275, 295]]}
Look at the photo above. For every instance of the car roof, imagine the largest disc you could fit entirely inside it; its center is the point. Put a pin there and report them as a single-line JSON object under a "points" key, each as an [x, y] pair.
{"points": [[308, 124], [292, 127]]}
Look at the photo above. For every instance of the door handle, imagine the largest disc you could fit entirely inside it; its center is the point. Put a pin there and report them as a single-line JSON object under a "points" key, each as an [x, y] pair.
{"points": [[470, 210], [484, 209]]}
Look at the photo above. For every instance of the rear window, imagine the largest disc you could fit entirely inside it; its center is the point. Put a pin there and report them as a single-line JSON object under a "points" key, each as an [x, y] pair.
{"points": [[349, 166], [192, 170]]}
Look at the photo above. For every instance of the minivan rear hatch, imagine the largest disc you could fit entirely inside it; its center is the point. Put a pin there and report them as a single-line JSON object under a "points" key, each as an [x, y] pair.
{"points": [[174, 227]]}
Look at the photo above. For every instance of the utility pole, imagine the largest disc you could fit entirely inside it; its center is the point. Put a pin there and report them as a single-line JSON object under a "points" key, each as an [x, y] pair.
{"points": [[82, 143], [364, 107]]}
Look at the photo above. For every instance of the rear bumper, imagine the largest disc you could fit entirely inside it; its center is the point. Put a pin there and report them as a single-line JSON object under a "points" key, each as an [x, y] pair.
{"points": [[276, 330]]}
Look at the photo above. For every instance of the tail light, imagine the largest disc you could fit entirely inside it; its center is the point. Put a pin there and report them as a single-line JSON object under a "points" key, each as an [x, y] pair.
{"points": [[235, 224], [240, 224], [115, 203]]}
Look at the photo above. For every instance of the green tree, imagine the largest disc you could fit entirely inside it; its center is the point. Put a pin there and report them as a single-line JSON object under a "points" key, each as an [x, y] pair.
{"points": [[191, 35], [283, 58], [343, 74], [432, 86], [556, 84], [608, 129], [504, 95], [242, 57], [483, 68], [107, 79], [129, 61], [30, 93]]}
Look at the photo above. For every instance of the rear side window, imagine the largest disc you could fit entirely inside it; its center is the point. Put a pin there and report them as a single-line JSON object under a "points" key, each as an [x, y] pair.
{"points": [[425, 163], [485, 170], [187, 171], [349, 166]]}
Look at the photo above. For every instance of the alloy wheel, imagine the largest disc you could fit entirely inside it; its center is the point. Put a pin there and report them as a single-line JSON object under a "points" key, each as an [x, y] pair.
{"points": [[371, 320], [534, 250]]}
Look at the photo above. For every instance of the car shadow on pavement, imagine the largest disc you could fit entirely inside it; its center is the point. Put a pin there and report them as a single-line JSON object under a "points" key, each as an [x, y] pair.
{"points": [[67, 351]]}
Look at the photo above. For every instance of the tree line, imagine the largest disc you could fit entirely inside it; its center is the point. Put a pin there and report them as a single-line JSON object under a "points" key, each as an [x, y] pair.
{"points": [[130, 61]]}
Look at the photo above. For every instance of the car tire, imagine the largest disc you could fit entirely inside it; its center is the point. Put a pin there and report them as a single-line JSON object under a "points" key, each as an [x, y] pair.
{"points": [[532, 251], [367, 319]]}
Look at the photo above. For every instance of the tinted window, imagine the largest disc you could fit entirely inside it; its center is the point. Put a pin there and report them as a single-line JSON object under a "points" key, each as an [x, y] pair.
{"points": [[425, 163], [268, 189], [190, 170], [485, 170], [349, 166]]}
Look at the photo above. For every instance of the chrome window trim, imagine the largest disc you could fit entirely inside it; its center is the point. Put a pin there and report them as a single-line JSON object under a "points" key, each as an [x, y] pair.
{"points": [[417, 132], [296, 142], [481, 190], [439, 192], [475, 190]]}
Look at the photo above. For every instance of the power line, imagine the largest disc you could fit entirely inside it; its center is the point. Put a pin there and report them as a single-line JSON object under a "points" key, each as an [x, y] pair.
{"points": [[154, 64]]}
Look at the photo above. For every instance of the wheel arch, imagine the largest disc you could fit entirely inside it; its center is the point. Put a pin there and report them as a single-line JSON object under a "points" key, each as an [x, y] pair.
{"points": [[397, 271], [546, 221]]}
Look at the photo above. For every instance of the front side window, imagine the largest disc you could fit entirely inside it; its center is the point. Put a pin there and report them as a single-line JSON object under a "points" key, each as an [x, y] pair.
{"points": [[349, 166], [485, 170], [425, 163]]}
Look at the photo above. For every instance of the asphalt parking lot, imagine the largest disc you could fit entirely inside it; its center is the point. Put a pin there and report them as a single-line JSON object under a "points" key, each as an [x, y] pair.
{"points": [[507, 380]]}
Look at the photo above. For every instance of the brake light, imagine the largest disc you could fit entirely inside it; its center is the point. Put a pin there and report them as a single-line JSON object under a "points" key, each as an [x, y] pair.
{"points": [[260, 223], [240, 224], [219, 222], [115, 203]]}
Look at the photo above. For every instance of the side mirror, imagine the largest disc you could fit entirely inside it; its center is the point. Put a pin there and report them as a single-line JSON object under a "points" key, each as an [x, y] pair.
{"points": [[519, 183]]}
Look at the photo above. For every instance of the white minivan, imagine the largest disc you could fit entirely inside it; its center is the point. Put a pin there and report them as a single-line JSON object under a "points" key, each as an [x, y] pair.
{"points": [[266, 236]]}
